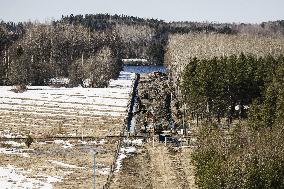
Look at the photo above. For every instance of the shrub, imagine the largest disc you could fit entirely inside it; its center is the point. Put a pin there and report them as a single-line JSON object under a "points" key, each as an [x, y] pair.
{"points": [[28, 141], [243, 159], [19, 88]]}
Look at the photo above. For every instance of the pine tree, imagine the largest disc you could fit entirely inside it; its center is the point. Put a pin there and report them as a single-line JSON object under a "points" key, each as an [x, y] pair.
{"points": [[18, 70]]}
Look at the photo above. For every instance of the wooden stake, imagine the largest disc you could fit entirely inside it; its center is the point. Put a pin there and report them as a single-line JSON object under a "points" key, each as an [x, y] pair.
{"points": [[82, 133]]}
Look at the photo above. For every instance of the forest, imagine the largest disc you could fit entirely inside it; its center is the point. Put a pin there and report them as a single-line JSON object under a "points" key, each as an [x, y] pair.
{"points": [[233, 86], [32, 53], [230, 76]]}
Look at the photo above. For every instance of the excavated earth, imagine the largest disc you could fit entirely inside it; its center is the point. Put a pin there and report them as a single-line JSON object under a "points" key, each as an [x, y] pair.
{"points": [[155, 165]]}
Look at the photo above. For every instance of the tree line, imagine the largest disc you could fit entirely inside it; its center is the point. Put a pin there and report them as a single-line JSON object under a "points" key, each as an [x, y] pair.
{"points": [[225, 87], [42, 51], [233, 85], [47, 51], [251, 154]]}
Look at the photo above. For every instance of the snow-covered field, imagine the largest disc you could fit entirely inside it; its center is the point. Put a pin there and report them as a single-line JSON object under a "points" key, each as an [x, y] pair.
{"points": [[64, 112], [14, 178], [83, 101], [46, 111], [41, 109]]}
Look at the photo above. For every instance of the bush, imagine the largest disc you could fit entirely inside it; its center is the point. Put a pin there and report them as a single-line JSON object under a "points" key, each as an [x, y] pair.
{"points": [[19, 88], [243, 159], [29, 140]]}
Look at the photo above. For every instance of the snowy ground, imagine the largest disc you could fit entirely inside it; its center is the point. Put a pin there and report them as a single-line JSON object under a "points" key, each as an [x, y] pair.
{"points": [[14, 178], [46, 111], [55, 163], [84, 101], [128, 149]]}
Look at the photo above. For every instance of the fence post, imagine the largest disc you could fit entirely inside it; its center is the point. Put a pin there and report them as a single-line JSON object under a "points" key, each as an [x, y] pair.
{"points": [[94, 153]]}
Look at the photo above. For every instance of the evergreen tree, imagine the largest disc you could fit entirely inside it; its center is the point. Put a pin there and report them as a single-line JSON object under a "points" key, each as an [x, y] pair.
{"points": [[18, 73]]}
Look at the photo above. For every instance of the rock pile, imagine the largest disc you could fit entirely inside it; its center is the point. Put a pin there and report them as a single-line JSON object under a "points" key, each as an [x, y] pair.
{"points": [[154, 103]]}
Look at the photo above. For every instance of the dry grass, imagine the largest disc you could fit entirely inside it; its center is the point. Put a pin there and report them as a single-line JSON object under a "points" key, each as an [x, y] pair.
{"points": [[20, 124], [51, 126], [79, 155], [182, 48], [158, 168], [171, 170]]}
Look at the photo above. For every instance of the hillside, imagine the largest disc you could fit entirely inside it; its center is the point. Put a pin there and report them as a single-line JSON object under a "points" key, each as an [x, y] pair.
{"points": [[116, 101]]}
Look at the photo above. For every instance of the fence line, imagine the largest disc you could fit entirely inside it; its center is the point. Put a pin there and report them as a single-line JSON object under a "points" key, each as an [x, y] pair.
{"points": [[127, 121]]}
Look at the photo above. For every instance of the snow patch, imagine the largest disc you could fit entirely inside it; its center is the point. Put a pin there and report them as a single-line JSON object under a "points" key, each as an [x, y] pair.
{"points": [[124, 151], [93, 142], [119, 160], [138, 142], [134, 60], [102, 142], [8, 133], [66, 144], [64, 164], [14, 151], [104, 171], [14, 144], [12, 177], [59, 80], [83, 142]]}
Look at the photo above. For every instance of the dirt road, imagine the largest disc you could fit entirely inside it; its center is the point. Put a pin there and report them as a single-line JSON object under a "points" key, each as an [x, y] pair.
{"points": [[157, 168]]}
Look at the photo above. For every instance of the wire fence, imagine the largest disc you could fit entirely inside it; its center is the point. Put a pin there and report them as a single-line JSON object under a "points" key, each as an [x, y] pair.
{"points": [[127, 121]]}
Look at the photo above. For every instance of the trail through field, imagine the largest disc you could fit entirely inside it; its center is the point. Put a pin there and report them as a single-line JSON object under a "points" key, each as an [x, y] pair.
{"points": [[156, 167]]}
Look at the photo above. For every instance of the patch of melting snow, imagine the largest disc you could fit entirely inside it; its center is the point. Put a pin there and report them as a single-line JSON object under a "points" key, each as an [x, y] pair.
{"points": [[9, 134], [41, 143], [14, 144], [72, 134], [119, 160], [14, 151], [102, 141], [138, 142], [65, 164], [124, 151], [104, 171], [93, 142], [66, 144], [12, 177], [129, 150], [83, 142]]}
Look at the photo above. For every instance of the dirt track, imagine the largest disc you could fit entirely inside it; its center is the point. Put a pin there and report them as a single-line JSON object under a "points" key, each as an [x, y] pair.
{"points": [[157, 168]]}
